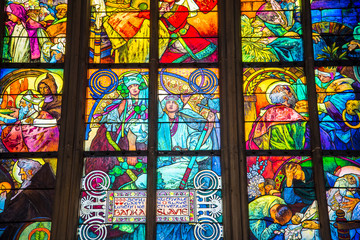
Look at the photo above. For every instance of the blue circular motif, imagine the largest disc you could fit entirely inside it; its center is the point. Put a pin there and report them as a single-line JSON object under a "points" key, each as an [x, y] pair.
{"points": [[208, 83], [97, 86]]}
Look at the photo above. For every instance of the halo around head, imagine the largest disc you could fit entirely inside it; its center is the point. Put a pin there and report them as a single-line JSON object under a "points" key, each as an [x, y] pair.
{"points": [[16, 169], [273, 86], [58, 81]]}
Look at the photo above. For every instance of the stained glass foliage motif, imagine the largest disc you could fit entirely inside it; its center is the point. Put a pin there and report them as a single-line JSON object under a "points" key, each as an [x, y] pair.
{"points": [[276, 109], [117, 110], [111, 203], [282, 201], [271, 31], [189, 109], [35, 31], [27, 191], [188, 31], [342, 177], [336, 29], [120, 31], [30, 110], [338, 98]]}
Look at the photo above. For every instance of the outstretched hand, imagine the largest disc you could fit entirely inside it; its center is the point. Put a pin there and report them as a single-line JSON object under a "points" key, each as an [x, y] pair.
{"points": [[350, 203], [310, 225], [289, 173]]}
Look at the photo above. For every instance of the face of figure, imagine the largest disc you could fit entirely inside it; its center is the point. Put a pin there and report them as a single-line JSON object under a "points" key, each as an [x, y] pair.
{"points": [[351, 179], [13, 18], [298, 172], [61, 13], [24, 109], [296, 219], [171, 106], [23, 103], [268, 188], [44, 89], [165, 6], [43, 13], [273, 213], [324, 78], [134, 89], [34, 14], [288, 98]]}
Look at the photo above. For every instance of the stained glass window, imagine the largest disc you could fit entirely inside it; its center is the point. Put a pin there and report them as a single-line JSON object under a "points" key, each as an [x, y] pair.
{"points": [[276, 109], [281, 188], [35, 31], [189, 111], [30, 109], [117, 103], [281, 101], [30, 115], [119, 121], [120, 31], [271, 31], [342, 178], [337, 89], [188, 32], [336, 28]]}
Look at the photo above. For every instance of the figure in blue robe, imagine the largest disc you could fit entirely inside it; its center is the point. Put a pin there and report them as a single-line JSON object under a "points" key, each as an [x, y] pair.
{"points": [[334, 91], [179, 129]]}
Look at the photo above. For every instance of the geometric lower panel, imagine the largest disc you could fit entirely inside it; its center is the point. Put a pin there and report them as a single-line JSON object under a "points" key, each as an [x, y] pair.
{"points": [[189, 206], [110, 205], [205, 230]]}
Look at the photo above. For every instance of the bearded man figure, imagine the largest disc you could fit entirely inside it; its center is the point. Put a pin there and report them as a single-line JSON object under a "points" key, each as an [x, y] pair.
{"points": [[277, 121], [278, 127], [35, 130]]}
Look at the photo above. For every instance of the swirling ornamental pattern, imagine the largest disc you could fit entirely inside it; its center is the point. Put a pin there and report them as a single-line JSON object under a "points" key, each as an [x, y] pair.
{"points": [[93, 206]]}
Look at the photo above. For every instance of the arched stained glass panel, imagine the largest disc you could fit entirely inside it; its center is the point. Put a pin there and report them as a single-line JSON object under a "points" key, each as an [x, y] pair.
{"points": [[30, 115], [117, 165]]}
